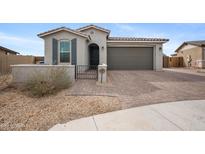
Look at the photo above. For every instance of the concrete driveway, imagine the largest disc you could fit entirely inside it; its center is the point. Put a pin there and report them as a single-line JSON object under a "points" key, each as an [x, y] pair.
{"points": [[138, 88], [185, 115]]}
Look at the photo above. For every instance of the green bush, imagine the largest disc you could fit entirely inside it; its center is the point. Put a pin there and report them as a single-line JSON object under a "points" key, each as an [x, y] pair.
{"points": [[50, 82]]}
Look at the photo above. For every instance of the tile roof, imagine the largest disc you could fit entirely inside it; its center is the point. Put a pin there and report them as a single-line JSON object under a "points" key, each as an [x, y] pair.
{"points": [[78, 32], [197, 43], [93, 26], [62, 28], [137, 39], [9, 50], [200, 43]]}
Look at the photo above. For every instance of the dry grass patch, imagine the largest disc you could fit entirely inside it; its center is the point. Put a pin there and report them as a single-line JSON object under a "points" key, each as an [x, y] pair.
{"points": [[5, 80], [20, 112]]}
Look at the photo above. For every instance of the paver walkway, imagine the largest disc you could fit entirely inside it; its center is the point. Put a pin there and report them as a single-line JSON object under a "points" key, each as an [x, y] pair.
{"points": [[138, 88], [185, 115]]}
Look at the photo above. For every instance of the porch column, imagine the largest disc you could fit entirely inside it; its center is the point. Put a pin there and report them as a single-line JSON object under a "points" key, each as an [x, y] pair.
{"points": [[102, 73]]}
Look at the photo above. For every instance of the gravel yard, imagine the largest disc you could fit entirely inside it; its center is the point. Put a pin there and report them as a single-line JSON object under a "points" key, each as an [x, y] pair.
{"points": [[125, 89], [20, 112]]}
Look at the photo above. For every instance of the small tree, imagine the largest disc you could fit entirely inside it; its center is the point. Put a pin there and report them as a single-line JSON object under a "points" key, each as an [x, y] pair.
{"points": [[189, 60]]}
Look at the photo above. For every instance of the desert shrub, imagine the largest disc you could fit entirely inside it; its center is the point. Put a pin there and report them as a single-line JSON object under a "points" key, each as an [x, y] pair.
{"points": [[5, 80], [59, 78], [50, 82]]}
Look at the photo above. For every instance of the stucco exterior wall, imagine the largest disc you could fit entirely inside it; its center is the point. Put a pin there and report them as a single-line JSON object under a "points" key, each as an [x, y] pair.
{"points": [[21, 73], [81, 46], [195, 52], [100, 38], [158, 57], [157, 51]]}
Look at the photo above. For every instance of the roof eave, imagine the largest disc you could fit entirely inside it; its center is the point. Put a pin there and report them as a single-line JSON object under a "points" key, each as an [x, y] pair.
{"points": [[138, 41], [14, 52], [186, 43], [42, 35], [85, 28], [180, 47], [9, 50], [198, 45]]}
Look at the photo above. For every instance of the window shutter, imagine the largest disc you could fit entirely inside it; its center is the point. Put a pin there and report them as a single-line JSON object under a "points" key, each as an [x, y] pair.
{"points": [[74, 51], [55, 51]]}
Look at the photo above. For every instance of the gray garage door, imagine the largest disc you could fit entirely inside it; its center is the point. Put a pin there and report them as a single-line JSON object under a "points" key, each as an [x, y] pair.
{"points": [[130, 58]]}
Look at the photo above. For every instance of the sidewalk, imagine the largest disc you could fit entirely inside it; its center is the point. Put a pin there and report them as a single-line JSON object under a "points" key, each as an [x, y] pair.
{"points": [[184, 115]]}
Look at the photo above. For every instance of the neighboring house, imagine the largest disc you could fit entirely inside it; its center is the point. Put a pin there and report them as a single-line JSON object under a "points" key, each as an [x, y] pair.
{"points": [[174, 55], [194, 50], [92, 45], [39, 60], [6, 51]]}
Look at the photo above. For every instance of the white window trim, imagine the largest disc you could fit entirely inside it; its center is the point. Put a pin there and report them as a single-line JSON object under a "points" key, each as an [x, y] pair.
{"points": [[64, 63]]}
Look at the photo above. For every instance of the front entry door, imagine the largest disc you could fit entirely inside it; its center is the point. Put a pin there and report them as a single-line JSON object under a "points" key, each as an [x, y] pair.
{"points": [[94, 54]]}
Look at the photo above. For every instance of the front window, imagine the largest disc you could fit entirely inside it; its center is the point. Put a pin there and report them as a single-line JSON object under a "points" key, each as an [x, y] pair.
{"points": [[65, 51]]}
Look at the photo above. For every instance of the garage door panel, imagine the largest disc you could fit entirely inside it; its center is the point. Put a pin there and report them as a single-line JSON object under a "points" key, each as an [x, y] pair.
{"points": [[130, 58]]}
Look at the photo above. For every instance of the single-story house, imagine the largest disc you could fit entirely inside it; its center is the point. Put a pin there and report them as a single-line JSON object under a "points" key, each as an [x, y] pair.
{"points": [[6, 51], [87, 53], [194, 50], [93, 45]]}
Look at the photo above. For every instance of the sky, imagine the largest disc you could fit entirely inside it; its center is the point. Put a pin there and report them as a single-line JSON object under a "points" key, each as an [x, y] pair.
{"points": [[23, 37]]}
